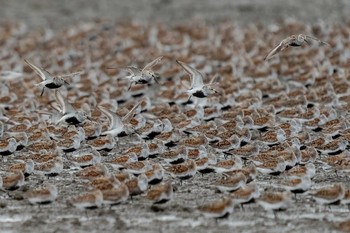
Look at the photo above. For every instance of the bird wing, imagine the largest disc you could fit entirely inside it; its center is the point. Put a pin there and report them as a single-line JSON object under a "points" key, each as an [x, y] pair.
{"points": [[70, 74], [65, 106], [213, 79], [152, 63], [44, 74], [130, 114], [114, 119], [196, 76], [279, 48], [315, 39], [132, 70]]}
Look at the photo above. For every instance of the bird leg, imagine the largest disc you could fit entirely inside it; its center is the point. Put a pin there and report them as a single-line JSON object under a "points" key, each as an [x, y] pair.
{"points": [[42, 92]]}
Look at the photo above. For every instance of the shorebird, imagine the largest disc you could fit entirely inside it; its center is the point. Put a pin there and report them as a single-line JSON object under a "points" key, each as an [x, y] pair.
{"points": [[69, 113], [275, 201], [144, 75], [42, 195], [293, 41], [117, 124], [87, 200], [160, 193], [198, 88], [217, 209], [50, 81]]}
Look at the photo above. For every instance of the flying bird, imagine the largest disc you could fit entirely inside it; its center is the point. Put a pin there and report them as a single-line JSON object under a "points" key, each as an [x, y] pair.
{"points": [[198, 88], [70, 114], [293, 41], [50, 81], [144, 75]]}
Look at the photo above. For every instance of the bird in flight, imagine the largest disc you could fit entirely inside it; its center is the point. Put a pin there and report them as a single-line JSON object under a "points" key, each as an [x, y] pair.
{"points": [[293, 41], [69, 114], [198, 88], [144, 75], [50, 81]]}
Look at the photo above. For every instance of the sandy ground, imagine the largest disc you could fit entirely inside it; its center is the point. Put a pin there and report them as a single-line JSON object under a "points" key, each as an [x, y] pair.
{"points": [[138, 215]]}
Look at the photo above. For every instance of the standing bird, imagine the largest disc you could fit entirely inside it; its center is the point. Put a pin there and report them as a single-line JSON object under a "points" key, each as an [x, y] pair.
{"points": [[144, 76], [293, 41], [198, 88], [50, 81]]}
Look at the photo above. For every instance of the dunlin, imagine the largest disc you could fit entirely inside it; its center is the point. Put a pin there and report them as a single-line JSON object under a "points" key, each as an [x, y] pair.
{"points": [[69, 144], [104, 182], [119, 161], [246, 151], [249, 171], [87, 200], [272, 166], [42, 195], [245, 194], [273, 137], [92, 172], [300, 171], [25, 166], [194, 142], [298, 184], [155, 148], [275, 200], [69, 114], [198, 88], [184, 170], [92, 129], [20, 137], [138, 167], [117, 125], [160, 193], [13, 181], [144, 76], [293, 41], [116, 195], [174, 156], [141, 151], [105, 143], [85, 157], [8, 146], [217, 209], [51, 167], [227, 165], [137, 185], [156, 174], [230, 183], [308, 155], [226, 145], [50, 81], [329, 194]]}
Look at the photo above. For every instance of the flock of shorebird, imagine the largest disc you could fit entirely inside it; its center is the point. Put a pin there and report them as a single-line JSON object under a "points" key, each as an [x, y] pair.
{"points": [[285, 123]]}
